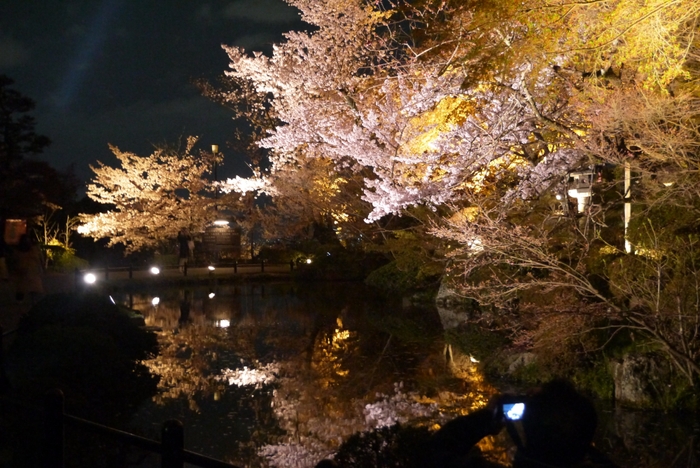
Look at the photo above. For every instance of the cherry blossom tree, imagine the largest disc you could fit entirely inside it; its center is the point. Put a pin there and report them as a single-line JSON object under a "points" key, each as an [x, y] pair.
{"points": [[482, 110], [151, 198]]}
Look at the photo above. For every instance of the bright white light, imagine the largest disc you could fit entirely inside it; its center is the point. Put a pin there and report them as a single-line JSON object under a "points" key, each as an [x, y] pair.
{"points": [[558, 197], [155, 301], [154, 270], [514, 411], [308, 260], [473, 359], [211, 295], [223, 323], [211, 268], [112, 299], [90, 278], [221, 222]]}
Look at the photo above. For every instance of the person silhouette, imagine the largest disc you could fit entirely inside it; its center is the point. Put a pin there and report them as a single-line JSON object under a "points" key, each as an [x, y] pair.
{"points": [[555, 430], [28, 270], [183, 239]]}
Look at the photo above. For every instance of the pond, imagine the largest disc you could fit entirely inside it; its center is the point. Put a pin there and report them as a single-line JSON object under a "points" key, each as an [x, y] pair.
{"points": [[279, 374]]}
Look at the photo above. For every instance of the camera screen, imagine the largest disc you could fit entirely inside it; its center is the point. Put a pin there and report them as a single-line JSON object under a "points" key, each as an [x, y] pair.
{"points": [[513, 411]]}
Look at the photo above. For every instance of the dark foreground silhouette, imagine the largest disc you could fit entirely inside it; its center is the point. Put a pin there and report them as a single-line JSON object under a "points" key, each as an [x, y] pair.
{"points": [[551, 427]]}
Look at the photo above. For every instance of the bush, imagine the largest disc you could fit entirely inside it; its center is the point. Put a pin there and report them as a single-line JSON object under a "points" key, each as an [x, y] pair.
{"points": [[404, 277], [89, 348]]}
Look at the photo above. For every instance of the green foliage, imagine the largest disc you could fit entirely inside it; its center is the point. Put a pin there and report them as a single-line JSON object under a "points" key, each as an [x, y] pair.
{"points": [[403, 275], [64, 260], [595, 378], [332, 261]]}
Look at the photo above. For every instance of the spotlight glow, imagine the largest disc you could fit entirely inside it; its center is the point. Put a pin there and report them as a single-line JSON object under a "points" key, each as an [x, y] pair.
{"points": [[155, 301], [308, 260], [221, 222], [211, 295], [90, 278], [223, 323], [211, 268], [154, 270]]}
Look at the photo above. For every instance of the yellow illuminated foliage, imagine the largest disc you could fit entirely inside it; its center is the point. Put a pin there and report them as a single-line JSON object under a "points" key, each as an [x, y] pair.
{"points": [[468, 214], [329, 352], [427, 127], [495, 168]]}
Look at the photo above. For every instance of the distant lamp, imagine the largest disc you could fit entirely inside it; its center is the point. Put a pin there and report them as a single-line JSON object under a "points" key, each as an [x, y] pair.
{"points": [[558, 197], [308, 261], [211, 267], [90, 278], [223, 323], [667, 177], [221, 222], [212, 295], [215, 149], [154, 270], [155, 301]]}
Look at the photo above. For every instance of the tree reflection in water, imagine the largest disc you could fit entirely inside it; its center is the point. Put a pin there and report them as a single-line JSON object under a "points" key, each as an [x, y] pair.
{"points": [[299, 370]]}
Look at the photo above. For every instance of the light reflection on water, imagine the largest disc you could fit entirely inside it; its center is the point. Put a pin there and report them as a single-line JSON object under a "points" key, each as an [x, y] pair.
{"points": [[340, 361]]}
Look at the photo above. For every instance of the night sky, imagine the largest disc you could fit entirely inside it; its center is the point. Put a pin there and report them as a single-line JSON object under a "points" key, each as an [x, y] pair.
{"points": [[121, 71]]}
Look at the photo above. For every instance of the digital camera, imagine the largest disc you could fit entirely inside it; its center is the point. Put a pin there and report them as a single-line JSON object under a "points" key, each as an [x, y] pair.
{"points": [[512, 407], [513, 411]]}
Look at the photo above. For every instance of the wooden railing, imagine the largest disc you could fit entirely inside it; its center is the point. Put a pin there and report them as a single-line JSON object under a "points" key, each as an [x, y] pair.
{"points": [[170, 447]]}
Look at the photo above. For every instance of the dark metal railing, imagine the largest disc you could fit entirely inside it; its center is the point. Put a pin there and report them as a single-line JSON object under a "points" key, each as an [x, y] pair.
{"points": [[170, 447]]}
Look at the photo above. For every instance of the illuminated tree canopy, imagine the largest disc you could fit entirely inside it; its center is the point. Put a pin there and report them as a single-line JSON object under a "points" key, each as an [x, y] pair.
{"points": [[480, 111], [151, 198]]}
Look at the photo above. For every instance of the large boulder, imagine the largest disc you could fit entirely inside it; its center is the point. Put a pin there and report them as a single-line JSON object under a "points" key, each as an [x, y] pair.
{"points": [[448, 297], [520, 361], [640, 379]]}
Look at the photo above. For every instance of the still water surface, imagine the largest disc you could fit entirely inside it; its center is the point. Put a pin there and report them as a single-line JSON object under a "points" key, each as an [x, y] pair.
{"points": [[279, 374]]}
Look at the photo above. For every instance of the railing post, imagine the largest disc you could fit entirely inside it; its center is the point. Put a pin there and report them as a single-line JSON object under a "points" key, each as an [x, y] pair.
{"points": [[131, 271], [53, 429], [172, 441], [235, 266], [184, 269], [262, 265], [4, 380]]}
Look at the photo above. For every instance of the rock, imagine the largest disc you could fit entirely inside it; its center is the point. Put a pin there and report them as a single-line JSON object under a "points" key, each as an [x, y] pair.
{"points": [[520, 360], [640, 379], [452, 318], [448, 297]]}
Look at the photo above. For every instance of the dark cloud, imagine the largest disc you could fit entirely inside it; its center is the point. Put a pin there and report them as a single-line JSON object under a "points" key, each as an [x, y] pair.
{"points": [[121, 71], [12, 53], [261, 11]]}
